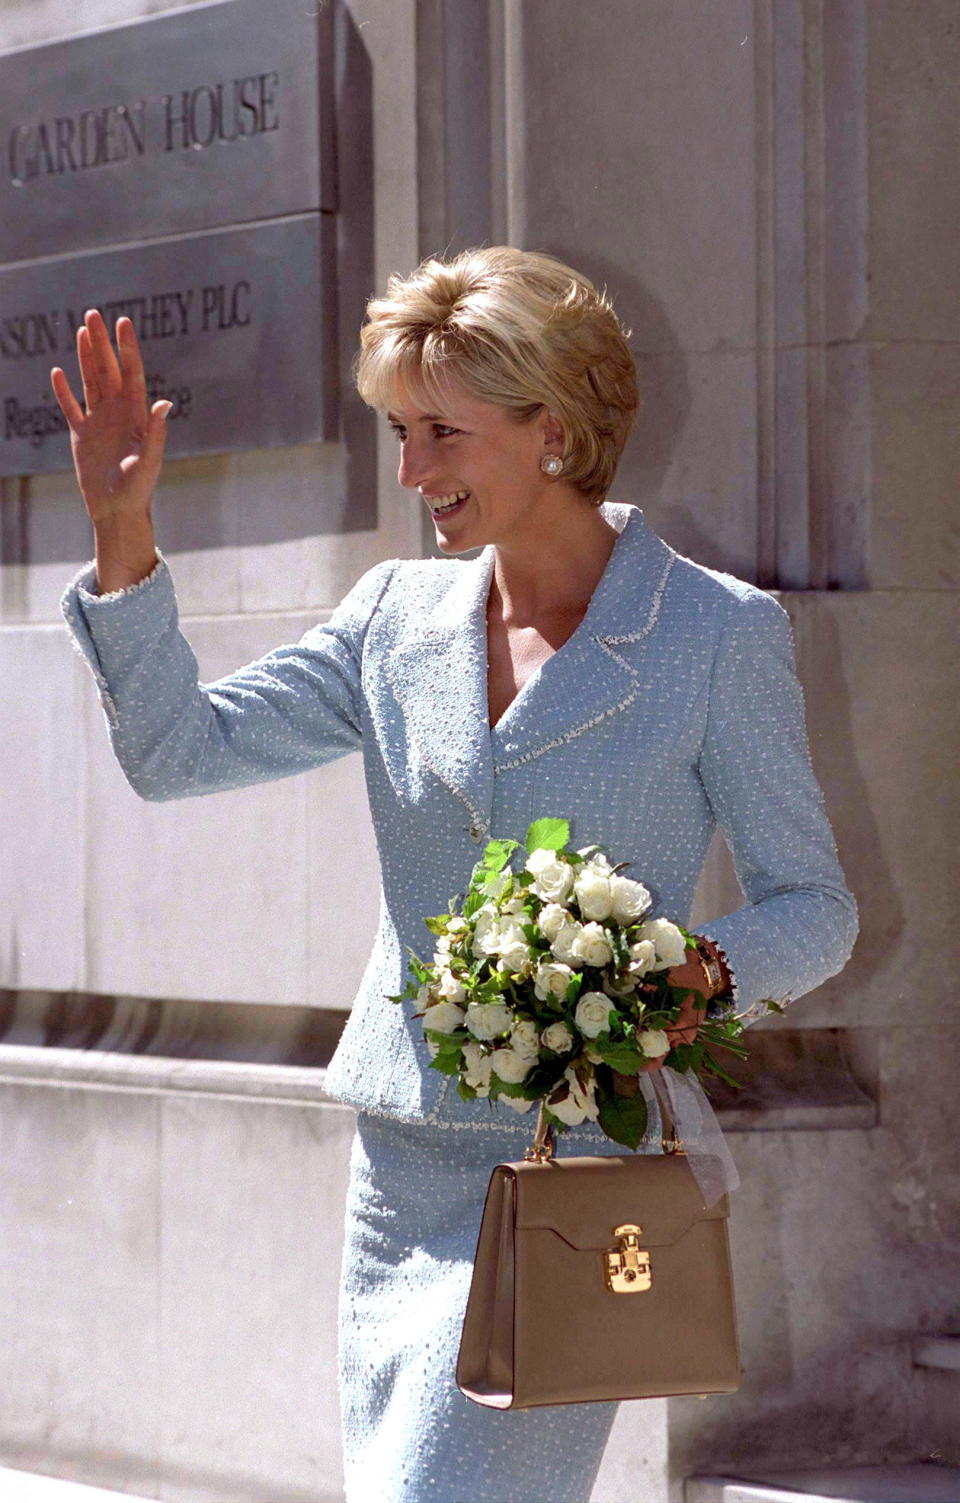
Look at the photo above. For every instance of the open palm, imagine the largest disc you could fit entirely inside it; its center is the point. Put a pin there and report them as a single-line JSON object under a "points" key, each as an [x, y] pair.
{"points": [[117, 442]]}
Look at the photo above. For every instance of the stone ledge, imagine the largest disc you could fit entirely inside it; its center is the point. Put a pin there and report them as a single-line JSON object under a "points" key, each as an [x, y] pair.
{"points": [[101, 1069], [793, 1080], [38, 1487], [923, 1482], [95, 1069], [940, 1352]]}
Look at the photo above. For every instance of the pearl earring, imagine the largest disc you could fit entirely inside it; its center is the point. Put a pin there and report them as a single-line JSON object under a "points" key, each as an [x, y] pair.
{"points": [[551, 464]]}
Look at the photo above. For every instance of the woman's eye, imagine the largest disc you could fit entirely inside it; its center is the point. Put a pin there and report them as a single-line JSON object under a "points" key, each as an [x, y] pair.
{"points": [[441, 430]]}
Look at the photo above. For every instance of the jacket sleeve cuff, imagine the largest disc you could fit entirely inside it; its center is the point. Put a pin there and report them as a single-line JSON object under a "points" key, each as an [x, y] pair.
{"points": [[106, 628]]}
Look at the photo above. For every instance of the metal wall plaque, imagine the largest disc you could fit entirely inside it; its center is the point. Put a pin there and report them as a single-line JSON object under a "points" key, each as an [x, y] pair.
{"points": [[211, 115], [231, 326]]}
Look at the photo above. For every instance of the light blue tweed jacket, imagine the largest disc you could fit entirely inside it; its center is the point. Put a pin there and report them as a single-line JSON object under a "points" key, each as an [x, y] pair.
{"points": [[672, 708]]}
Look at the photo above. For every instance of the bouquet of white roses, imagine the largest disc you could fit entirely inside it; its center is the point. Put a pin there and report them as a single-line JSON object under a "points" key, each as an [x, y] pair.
{"points": [[552, 982]]}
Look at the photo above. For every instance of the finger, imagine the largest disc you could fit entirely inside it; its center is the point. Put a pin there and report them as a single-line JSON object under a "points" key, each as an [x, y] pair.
{"points": [[88, 369], [131, 363], [652, 1064], [69, 405], [108, 369], [681, 1036], [156, 435]]}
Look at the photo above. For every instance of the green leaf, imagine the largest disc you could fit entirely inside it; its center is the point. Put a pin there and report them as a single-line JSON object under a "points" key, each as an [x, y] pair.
{"points": [[448, 1042], [496, 854], [547, 835], [474, 901], [500, 1087], [619, 946], [445, 1064], [710, 1064], [623, 1118], [621, 1057], [574, 986]]}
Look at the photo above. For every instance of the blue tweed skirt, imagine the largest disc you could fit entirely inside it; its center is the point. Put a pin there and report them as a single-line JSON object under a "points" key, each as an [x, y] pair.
{"points": [[414, 1204]]}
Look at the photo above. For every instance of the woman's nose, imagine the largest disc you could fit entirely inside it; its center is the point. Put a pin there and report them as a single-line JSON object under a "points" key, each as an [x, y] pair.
{"points": [[413, 463]]}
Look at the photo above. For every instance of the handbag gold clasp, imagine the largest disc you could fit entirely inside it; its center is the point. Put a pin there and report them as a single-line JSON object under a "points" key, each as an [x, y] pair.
{"points": [[627, 1267]]}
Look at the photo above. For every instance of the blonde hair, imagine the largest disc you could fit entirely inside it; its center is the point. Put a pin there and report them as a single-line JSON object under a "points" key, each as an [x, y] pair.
{"points": [[514, 327]]}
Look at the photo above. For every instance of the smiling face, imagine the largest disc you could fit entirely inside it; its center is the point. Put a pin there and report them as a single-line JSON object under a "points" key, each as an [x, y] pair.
{"points": [[477, 468]]}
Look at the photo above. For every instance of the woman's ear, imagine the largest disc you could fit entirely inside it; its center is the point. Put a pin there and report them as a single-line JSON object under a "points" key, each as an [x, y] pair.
{"points": [[552, 427]]}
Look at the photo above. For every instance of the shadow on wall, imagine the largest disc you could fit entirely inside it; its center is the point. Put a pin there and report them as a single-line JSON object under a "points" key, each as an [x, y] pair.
{"points": [[837, 761]]}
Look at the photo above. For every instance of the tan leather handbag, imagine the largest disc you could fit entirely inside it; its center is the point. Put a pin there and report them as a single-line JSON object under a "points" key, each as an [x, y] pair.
{"points": [[598, 1278]]}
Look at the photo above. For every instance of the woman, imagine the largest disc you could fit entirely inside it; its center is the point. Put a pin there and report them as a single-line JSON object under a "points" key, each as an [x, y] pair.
{"points": [[576, 667]]}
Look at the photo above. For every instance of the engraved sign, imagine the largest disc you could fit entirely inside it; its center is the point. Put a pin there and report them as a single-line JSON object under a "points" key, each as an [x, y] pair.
{"points": [[210, 115], [231, 327]]}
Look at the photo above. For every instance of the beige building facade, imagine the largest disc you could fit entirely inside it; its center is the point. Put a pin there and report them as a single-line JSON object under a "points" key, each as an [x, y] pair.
{"points": [[770, 191]]}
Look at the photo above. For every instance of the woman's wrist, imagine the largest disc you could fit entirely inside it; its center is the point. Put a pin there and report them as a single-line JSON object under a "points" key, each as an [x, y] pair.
{"points": [[125, 550], [712, 961]]}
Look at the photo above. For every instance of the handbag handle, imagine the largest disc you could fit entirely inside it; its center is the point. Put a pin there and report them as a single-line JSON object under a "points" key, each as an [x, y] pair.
{"points": [[544, 1143]]}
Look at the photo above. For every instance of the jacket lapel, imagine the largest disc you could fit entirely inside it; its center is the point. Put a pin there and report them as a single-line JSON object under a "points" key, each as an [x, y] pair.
{"points": [[598, 672], [439, 675]]}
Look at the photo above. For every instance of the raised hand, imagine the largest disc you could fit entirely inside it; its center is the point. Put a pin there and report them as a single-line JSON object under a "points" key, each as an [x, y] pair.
{"points": [[117, 442]]}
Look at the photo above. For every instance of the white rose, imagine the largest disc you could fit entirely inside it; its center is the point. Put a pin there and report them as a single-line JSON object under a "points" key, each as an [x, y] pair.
{"points": [[642, 956], [597, 861], [457, 924], [486, 1020], [592, 890], [551, 979], [667, 941], [592, 945], [485, 931], [516, 1103], [629, 898], [653, 1043], [517, 961], [524, 1038], [553, 878], [511, 945], [577, 1105], [450, 987], [566, 939], [479, 1067], [510, 1065], [444, 1017], [592, 1016], [552, 917], [557, 1037]]}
